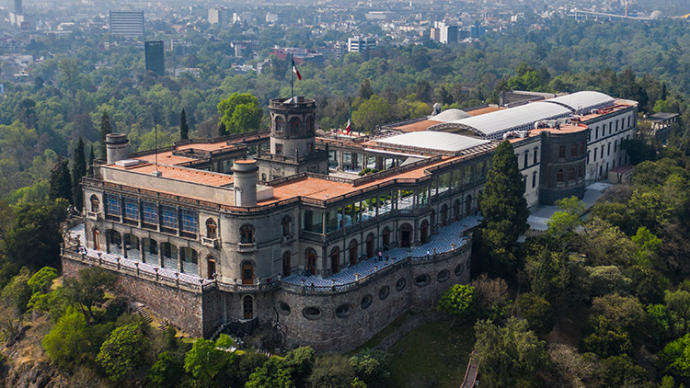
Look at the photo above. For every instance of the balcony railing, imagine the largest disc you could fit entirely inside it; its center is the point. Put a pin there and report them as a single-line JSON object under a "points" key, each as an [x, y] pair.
{"points": [[245, 248], [210, 242]]}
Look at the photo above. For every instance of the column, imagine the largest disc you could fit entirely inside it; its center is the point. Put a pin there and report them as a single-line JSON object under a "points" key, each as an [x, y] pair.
{"points": [[340, 156], [380, 163]]}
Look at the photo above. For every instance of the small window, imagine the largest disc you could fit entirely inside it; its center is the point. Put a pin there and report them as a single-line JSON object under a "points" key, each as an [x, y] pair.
{"points": [[443, 276], [608, 149], [526, 159], [459, 269], [279, 149], [311, 313], [211, 229], [247, 234], [286, 225], [596, 133], [366, 301], [422, 280], [534, 179], [400, 284], [284, 308], [536, 151], [560, 176], [384, 292], [94, 203], [571, 174], [561, 152], [343, 311], [573, 151], [582, 148], [294, 126]]}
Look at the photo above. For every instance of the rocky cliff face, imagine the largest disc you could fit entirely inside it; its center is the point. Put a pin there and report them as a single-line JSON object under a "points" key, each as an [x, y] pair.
{"points": [[25, 364]]}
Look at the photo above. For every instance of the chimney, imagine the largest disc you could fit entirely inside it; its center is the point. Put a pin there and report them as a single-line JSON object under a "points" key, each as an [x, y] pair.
{"points": [[116, 146], [246, 176]]}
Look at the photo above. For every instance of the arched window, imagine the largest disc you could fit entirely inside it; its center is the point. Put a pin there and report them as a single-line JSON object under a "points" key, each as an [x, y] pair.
{"points": [[405, 235], [444, 215], [353, 252], [247, 234], [579, 172], [210, 267], [571, 174], [370, 246], [280, 124], [286, 225], [386, 238], [335, 259], [96, 239], [311, 261], [468, 205], [456, 210], [536, 151], [247, 272], [432, 218], [287, 266], [560, 176], [94, 203], [526, 159], [310, 124], [263, 176], [294, 126], [561, 152], [189, 260], [424, 232], [573, 150], [169, 252], [211, 229], [248, 307]]}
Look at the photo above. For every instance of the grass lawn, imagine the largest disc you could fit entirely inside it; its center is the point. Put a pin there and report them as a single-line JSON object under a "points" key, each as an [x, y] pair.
{"points": [[388, 330], [431, 356]]}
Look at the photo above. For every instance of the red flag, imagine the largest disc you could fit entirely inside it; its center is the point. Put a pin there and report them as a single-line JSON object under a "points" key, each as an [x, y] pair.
{"points": [[294, 70], [348, 127]]}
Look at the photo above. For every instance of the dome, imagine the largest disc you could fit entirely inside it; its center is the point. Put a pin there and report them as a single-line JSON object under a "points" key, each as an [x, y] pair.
{"points": [[656, 15], [451, 115]]}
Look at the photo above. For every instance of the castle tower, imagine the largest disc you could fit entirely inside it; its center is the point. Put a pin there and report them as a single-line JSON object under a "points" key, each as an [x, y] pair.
{"points": [[293, 147], [245, 177], [116, 147]]}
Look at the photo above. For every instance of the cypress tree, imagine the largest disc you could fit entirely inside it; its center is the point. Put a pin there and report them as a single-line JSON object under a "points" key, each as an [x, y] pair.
{"points": [[505, 213], [222, 131], [184, 127], [60, 180], [106, 128], [78, 171], [89, 164]]}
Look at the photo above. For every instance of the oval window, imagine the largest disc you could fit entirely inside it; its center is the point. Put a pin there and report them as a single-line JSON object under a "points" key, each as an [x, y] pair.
{"points": [[284, 308], [459, 269], [366, 301], [443, 276], [400, 284], [311, 313], [422, 280], [383, 292], [343, 311]]}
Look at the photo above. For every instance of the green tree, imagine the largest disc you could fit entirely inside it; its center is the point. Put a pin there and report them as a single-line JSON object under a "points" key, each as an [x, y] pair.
{"points": [[300, 362], [240, 113], [458, 301], [106, 128], [60, 181], [205, 360], [35, 238], [184, 127], [492, 297], [166, 372], [675, 357], [26, 112], [17, 292], [78, 171], [89, 162], [510, 356], [537, 311], [89, 288], [123, 352], [372, 367], [42, 280], [332, 372], [505, 213], [621, 371], [272, 374], [370, 113], [68, 340]]}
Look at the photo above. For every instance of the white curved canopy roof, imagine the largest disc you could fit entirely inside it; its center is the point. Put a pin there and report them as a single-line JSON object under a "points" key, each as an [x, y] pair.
{"points": [[451, 115], [508, 119], [582, 101], [441, 141]]}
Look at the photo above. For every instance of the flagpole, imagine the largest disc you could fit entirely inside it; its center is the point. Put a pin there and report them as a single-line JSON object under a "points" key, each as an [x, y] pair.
{"points": [[292, 76]]}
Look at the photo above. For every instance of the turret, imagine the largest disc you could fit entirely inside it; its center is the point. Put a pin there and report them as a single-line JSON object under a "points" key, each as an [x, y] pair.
{"points": [[116, 146], [246, 176]]}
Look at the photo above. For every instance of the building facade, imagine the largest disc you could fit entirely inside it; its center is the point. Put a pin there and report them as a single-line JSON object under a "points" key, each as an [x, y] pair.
{"points": [[130, 24], [326, 246]]}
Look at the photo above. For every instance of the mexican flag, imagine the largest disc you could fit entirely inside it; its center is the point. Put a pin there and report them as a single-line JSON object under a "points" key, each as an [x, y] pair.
{"points": [[294, 70], [348, 127]]}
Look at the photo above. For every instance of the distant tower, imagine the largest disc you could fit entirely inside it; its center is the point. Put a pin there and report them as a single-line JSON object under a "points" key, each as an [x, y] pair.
{"points": [[127, 23], [155, 57], [18, 9], [293, 144]]}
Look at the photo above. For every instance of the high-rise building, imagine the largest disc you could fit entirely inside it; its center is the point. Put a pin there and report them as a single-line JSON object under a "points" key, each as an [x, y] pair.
{"points": [[127, 23], [155, 57], [449, 34], [359, 44], [435, 34], [18, 9], [218, 16]]}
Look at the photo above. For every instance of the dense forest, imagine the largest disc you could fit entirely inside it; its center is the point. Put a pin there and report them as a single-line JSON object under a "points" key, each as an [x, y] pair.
{"points": [[599, 302]]}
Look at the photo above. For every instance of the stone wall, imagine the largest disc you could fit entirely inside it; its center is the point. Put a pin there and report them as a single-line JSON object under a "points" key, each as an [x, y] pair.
{"points": [[184, 309]]}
